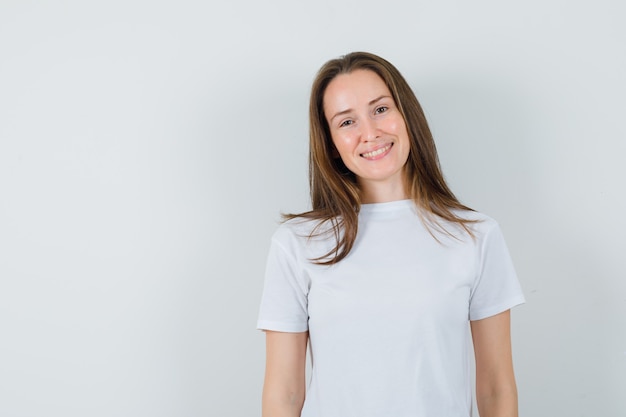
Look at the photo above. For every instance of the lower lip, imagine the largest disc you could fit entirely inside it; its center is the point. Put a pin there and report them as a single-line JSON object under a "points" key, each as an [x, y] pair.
{"points": [[382, 155]]}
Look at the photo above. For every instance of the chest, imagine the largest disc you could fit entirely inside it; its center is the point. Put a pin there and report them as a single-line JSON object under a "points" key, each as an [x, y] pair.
{"points": [[394, 275]]}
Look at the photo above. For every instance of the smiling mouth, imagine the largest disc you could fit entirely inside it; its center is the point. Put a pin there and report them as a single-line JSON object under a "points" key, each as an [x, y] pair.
{"points": [[377, 152]]}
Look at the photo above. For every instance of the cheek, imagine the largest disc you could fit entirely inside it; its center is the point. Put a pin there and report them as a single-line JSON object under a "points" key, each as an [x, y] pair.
{"points": [[399, 129], [397, 126], [343, 143]]}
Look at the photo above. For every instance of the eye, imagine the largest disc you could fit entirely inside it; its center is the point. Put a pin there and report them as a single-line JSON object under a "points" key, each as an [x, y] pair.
{"points": [[381, 109], [346, 123]]}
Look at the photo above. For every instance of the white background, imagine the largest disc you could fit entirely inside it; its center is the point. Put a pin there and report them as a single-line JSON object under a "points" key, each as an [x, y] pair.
{"points": [[147, 148]]}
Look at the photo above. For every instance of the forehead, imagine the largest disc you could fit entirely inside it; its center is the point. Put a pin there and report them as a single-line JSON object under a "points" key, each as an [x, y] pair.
{"points": [[357, 87]]}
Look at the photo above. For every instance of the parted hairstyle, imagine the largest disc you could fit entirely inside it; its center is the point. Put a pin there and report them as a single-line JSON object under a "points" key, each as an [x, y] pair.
{"points": [[335, 194]]}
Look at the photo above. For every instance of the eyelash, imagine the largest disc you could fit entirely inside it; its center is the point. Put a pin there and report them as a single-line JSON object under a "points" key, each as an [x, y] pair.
{"points": [[378, 110], [346, 123]]}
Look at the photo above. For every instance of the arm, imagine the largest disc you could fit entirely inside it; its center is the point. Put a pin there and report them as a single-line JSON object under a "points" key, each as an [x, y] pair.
{"points": [[284, 386], [496, 393]]}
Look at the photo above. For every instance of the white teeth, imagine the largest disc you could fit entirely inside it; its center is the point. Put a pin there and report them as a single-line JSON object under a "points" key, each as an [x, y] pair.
{"points": [[376, 152]]}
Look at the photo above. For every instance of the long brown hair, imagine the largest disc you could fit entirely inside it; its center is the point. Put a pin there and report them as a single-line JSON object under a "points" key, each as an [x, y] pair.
{"points": [[335, 195]]}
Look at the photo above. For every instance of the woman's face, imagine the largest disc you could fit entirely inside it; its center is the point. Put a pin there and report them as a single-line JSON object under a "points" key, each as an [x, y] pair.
{"points": [[368, 130]]}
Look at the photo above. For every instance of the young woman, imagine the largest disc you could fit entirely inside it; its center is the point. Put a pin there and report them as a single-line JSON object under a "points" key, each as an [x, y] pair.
{"points": [[383, 275]]}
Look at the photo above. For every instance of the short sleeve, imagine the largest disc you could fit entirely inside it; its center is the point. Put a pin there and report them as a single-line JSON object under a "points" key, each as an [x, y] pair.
{"points": [[496, 287], [284, 305]]}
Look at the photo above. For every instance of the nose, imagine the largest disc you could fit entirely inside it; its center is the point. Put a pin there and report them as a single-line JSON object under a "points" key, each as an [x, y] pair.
{"points": [[369, 130]]}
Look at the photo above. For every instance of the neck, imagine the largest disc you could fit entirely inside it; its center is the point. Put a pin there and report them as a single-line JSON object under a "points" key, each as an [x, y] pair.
{"points": [[382, 192]]}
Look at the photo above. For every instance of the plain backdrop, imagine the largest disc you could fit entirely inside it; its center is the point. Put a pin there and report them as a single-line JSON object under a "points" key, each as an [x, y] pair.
{"points": [[148, 147]]}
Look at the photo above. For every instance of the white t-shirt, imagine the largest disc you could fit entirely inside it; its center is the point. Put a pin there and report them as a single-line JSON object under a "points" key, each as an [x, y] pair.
{"points": [[388, 325]]}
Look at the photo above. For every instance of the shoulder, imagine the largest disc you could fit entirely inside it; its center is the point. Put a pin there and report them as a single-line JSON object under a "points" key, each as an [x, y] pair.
{"points": [[469, 226], [295, 228], [480, 223], [488, 237], [302, 234], [472, 215]]}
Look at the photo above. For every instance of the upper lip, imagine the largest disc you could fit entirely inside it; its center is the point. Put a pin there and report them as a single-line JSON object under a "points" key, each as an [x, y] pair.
{"points": [[381, 146]]}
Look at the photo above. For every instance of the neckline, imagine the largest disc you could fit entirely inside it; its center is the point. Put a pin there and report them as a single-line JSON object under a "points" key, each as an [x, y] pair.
{"points": [[387, 207]]}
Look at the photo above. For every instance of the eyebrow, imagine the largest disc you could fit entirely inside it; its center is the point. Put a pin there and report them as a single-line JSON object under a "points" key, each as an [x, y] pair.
{"points": [[349, 110]]}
